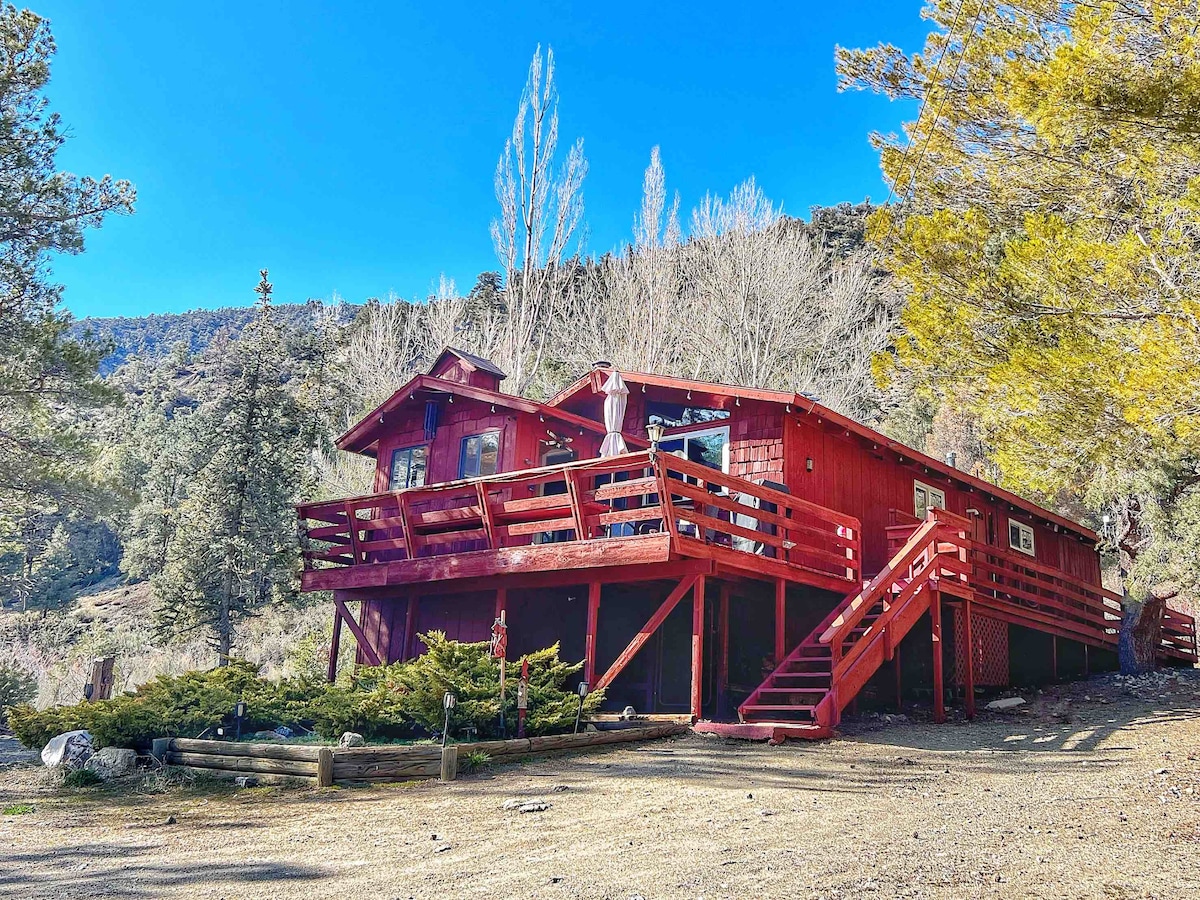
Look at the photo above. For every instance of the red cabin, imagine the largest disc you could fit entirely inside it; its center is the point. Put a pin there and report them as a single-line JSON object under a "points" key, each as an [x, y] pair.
{"points": [[763, 560]]}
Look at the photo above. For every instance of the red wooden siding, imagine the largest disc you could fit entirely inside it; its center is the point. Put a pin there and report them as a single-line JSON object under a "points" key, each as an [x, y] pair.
{"points": [[521, 436]]}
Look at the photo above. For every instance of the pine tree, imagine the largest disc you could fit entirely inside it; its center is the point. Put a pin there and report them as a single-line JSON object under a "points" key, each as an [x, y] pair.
{"points": [[45, 377], [234, 545]]}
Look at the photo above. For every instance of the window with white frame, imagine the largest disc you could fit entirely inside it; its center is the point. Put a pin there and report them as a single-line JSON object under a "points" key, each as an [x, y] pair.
{"points": [[709, 447], [1020, 537], [927, 497]]}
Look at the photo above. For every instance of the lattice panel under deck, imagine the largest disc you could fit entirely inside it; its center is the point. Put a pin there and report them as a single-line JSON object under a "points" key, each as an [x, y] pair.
{"points": [[990, 637]]}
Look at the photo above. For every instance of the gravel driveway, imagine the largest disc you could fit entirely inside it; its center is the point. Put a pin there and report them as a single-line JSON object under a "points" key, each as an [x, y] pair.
{"points": [[1068, 797]]}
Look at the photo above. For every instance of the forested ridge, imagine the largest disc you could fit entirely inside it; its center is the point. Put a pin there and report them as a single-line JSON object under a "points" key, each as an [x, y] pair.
{"points": [[1026, 303], [157, 335]]}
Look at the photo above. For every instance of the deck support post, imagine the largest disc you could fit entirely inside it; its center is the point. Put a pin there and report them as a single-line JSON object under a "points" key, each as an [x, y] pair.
{"points": [[939, 686], [410, 624], [593, 621], [969, 657], [899, 685], [501, 601], [723, 652], [698, 646], [356, 629], [1054, 657], [647, 630], [1086, 666], [780, 620], [334, 646]]}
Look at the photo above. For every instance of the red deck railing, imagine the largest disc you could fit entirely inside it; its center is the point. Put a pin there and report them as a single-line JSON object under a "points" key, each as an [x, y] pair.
{"points": [[633, 494]]}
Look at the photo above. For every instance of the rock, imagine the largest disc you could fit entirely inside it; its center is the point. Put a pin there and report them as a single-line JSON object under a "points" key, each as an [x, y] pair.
{"points": [[264, 736], [71, 750], [112, 762], [352, 739], [1006, 703], [246, 781], [628, 713]]}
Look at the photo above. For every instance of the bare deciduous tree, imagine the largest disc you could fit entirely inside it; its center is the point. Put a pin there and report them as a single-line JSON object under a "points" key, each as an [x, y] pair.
{"points": [[384, 350], [540, 210]]}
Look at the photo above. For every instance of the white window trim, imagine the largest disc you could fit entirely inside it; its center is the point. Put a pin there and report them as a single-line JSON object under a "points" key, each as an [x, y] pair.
{"points": [[1022, 528], [930, 491], [691, 432]]}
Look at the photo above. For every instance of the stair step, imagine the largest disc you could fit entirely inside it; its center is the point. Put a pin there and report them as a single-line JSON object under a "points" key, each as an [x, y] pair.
{"points": [[824, 674], [794, 690], [776, 707]]}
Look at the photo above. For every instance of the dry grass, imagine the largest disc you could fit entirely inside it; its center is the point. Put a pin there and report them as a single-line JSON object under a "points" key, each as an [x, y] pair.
{"points": [[1069, 798]]}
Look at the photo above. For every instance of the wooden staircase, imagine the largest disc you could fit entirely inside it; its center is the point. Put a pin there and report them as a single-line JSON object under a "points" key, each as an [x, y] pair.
{"points": [[811, 686]]}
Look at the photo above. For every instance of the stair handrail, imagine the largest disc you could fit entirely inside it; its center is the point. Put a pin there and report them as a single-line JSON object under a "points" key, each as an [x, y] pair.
{"points": [[897, 568], [928, 537]]}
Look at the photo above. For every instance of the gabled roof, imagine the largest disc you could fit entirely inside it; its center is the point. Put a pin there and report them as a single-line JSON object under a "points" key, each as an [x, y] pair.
{"points": [[803, 404], [360, 437], [475, 362]]}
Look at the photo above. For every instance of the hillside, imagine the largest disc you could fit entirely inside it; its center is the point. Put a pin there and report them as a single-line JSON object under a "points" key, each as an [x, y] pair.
{"points": [[156, 335]]}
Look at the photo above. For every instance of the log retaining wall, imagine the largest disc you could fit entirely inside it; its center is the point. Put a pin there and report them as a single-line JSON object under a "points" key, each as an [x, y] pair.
{"points": [[327, 765]]}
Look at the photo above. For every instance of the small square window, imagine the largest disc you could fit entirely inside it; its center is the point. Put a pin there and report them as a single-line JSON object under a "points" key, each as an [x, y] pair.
{"points": [[925, 498], [480, 455], [1020, 537]]}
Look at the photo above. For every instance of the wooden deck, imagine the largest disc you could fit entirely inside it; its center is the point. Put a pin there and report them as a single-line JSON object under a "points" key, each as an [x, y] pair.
{"points": [[936, 563], [635, 511]]}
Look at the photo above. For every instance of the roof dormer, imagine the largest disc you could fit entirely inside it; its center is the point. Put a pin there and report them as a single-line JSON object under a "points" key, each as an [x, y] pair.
{"points": [[459, 366]]}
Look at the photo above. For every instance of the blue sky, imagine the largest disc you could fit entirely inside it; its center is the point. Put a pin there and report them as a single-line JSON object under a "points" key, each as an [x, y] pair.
{"points": [[350, 147]]}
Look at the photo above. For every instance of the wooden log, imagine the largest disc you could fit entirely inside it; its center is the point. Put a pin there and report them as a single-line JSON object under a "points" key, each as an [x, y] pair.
{"points": [[294, 752], [386, 771], [449, 763], [243, 764], [514, 747], [324, 767]]}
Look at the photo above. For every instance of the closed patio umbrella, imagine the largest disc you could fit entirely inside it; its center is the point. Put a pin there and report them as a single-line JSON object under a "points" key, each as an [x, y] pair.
{"points": [[616, 398]]}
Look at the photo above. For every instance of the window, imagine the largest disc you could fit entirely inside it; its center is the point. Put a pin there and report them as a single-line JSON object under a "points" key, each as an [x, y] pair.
{"points": [[1020, 537], [676, 415], [408, 468], [927, 497], [480, 455], [709, 447]]}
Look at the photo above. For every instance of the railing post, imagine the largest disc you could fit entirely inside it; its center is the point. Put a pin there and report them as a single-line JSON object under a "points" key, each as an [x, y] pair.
{"points": [[352, 530], [939, 687], [581, 532]]}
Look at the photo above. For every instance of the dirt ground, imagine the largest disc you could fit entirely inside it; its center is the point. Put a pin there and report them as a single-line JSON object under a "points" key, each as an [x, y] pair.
{"points": [[1092, 790]]}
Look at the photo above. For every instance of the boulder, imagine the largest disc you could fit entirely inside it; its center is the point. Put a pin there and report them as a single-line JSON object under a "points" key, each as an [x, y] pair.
{"points": [[351, 739], [112, 762], [71, 750]]}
